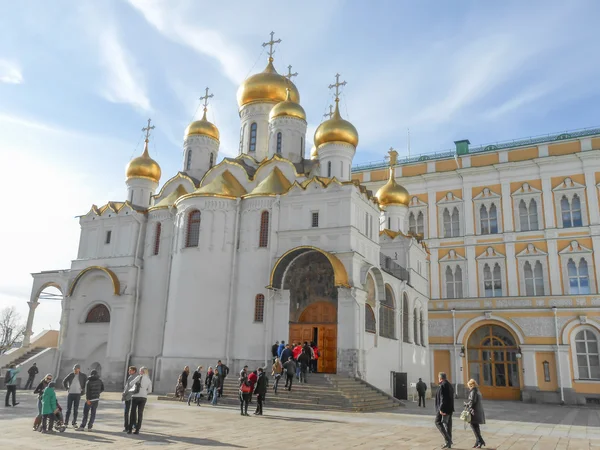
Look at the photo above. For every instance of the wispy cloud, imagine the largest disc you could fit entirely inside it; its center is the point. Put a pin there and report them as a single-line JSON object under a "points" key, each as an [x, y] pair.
{"points": [[10, 72]]}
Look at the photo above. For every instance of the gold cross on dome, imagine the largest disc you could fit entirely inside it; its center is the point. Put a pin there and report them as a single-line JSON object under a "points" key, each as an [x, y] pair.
{"points": [[205, 97], [271, 43], [290, 74], [147, 129], [337, 85], [392, 156], [330, 113]]}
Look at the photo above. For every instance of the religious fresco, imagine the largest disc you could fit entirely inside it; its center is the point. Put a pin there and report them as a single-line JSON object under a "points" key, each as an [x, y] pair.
{"points": [[309, 279]]}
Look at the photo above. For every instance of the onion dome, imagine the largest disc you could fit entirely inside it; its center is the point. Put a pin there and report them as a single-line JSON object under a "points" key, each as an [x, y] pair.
{"points": [[287, 108], [202, 127], [143, 167], [267, 86], [391, 193], [314, 154], [336, 129]]}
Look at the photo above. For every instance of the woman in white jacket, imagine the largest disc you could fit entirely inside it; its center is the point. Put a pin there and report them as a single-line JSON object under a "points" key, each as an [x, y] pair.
{"points": [[142, 386]]}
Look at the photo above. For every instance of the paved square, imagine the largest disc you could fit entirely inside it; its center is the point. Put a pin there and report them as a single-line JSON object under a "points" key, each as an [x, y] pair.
{"points": [[176, 425]]}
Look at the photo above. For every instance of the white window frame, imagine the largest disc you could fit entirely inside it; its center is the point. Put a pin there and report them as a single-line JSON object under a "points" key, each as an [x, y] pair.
{"points": [[575, 363], [453, 260], [527, 193], [576, 252], [569, 188], [491, 257], [416, 206], [533, 254], [450, 201], [486, 198]]}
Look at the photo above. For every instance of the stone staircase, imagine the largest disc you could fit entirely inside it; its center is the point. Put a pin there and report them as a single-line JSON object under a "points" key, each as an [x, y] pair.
{"points": [[323, 392], [24, 357]]}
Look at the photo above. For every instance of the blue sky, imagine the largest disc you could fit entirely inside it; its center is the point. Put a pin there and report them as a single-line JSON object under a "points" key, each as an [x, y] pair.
{"points": [[78, 79]]}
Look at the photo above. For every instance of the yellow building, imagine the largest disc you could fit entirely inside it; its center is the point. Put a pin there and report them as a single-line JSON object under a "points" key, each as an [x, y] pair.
{"points": [[513, 233]]}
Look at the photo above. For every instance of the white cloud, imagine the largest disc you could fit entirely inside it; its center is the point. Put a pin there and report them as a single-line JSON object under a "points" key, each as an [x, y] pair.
{"points": [[10, 72]]}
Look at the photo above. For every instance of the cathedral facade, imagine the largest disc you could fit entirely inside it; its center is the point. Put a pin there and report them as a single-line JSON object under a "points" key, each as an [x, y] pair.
{"points": [[226, 258]]}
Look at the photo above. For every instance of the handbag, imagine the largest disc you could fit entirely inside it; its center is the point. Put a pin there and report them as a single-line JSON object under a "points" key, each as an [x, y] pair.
{"points": [[246, 389], [465, 416]]}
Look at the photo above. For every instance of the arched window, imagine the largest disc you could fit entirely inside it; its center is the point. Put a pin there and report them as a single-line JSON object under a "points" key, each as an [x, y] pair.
{"points": [[369, 319], [259, 308], [389, 223], [571, 211], [329, 169], [211, 161], [193, 229], [188, 161], [416, 325], [387, 315], [98, 314], [279, 143], [157, 231], [488, 219], [528, 215], [422, 323], [405, 318], [252, 142], [579, 281], [420, 224], [454, 287], [451, 223], [534, 278], [588, 356], [263, 236], [412, 223], [492, 280]]}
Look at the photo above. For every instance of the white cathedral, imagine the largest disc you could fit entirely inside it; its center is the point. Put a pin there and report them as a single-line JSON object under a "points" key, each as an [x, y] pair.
{"points": [[225, 259]]}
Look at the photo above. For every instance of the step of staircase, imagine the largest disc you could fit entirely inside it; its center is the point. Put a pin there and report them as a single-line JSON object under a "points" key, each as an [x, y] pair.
{"points": [[322, 392], [24, 357]]}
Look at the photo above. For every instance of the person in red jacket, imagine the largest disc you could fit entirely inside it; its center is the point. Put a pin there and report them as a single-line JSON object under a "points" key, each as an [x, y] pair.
{"points": [[316, 354]]}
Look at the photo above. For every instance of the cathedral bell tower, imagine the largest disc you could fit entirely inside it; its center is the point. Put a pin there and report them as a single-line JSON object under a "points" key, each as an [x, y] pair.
{"points": [[393, 199], [287, 130], [143, 175]]}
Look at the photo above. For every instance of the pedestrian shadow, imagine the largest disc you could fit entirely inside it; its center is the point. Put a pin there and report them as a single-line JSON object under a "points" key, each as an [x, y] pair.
{"points": [[171, 439], [86, 436], [300, 419]]}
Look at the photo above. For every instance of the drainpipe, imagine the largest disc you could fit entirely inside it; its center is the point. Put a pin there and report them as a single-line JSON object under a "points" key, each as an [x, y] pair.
{"points": [[559, 365], [232, 281], [454, 349], [268, 307]]}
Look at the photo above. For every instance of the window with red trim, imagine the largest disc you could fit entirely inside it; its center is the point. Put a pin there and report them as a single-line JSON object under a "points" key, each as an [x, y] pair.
{"points": [[193, 229], [263, 237], [259, 308]]}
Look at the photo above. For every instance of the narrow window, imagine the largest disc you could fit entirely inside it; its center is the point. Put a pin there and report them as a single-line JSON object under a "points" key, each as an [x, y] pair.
{"points": [[279, 143], [533, 215], [546, 366], [302, 146], [579, 282], [259, 308], [389, 223], [412, 223], [565, 208], [493, 219], [369, 319], [420, 224], [188, 162], [492, 281], [416, 326], [447, 223], [108, 236], [315, 220], [458, 283], [131, 196], [252, 142], [211, 161], [586, 348], [422, 323], [454, 282], [455, 223], [342, 168], [193, 229], [157, 238], [576, 211], [405, 318], [484, 220], [329, 169], [263, 238], [523, 216], [534, 278], [449, 283]]}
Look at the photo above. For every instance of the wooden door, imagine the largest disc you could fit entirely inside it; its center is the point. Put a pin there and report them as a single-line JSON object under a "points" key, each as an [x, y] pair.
{"points": [[328, 346]]}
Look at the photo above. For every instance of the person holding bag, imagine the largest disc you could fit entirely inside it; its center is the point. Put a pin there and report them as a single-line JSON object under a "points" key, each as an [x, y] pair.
{"points": [[474, 406], [142, 386]]}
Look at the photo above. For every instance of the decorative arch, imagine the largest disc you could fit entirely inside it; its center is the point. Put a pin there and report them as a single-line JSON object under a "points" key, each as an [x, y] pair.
{"points": [[469, 327], [280, 267], [47, 285], [565, 334], [113, 278], [98, 313]]}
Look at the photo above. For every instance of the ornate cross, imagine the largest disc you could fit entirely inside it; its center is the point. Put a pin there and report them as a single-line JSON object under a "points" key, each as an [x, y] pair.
{"points": [[290, 74], [393, 157], [271, 43], [205, 97], [147, 129], [337, 86], [330, 113]]}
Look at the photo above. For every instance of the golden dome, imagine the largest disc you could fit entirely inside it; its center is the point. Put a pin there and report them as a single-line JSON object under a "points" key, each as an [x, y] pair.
{"points": [[287, 108], [314, 154], [202, 127], [391, 193], [143, 167], [267, 86], [336, 129]]}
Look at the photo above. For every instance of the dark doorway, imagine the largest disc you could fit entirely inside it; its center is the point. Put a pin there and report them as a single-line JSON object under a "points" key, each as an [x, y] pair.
{"points": [[400, 385]]}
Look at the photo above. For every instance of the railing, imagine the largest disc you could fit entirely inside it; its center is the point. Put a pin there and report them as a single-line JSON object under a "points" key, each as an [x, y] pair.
{"points": [[388, 265], [404, 160]]}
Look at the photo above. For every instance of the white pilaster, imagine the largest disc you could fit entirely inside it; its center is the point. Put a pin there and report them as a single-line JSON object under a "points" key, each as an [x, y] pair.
{"points": [[432, 208], [507, 213], [472, 271], [554, 267], [565, 366], [468, 210], [529, 368], [511, 270], [547, 196], [592, 196], [434, 266]]}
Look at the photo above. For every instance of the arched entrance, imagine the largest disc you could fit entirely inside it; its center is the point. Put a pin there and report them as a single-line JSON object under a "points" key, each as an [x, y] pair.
{"points": [[493, 363]]}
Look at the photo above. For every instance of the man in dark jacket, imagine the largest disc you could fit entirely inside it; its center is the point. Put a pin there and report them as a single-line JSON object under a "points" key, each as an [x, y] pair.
{"points": [[421, 389], [74, 383], [93, 388], [32, 372], [303, 361], [274, 349], [260, 390], [444, 406], [290, 370], [223, 371], [286, 354]]}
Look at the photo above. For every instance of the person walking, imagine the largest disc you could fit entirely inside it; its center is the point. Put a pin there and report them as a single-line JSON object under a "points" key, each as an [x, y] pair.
{"points": [[32, 372], [127, 396], [10, 380], [208, 383], [183, 381], [260, 390], [196, 386], [39, 390], [276, 372], [297, 351], [223, 371], [444, 406], [93, 388], [74, 383], [280, 349], [303, 362], [49, 407], [142, 386], [421, 389], [274, 349], [216, 385], [316, 355], [474, 405], [286, 354], [290, 371], [245, 391]]}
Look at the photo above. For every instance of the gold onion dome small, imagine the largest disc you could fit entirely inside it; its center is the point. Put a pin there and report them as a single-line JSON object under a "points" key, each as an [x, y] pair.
{"points": [[143, 167], [267, 86], [314, 154], [287, 108], [336, 129], [202, 127], [391, 193]]}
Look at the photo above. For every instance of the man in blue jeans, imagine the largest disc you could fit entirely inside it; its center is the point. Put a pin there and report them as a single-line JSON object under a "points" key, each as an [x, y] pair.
{"points": [[74, 383]]}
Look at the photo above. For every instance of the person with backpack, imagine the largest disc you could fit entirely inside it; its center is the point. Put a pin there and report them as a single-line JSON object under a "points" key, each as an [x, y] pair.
{"points": [[10, 381], [32, 372], [93, 388]]}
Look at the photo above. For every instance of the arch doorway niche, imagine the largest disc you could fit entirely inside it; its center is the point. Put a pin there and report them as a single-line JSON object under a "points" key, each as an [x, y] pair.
{"points": [[493, 363]]}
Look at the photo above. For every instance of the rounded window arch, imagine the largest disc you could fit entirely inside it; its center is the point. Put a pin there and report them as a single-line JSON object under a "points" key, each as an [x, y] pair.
{"points": [[278, 150], [585, 343], [188, 161], [193, 229], [263, 235], [370, 325], [405, 336], [98, 314], [387, 314], [370, 305], [416, 325], [259, 308], [252, 137]]}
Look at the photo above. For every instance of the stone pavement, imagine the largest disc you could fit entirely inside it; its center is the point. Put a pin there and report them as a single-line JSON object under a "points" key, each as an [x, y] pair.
{"points": [[179, 426]]}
